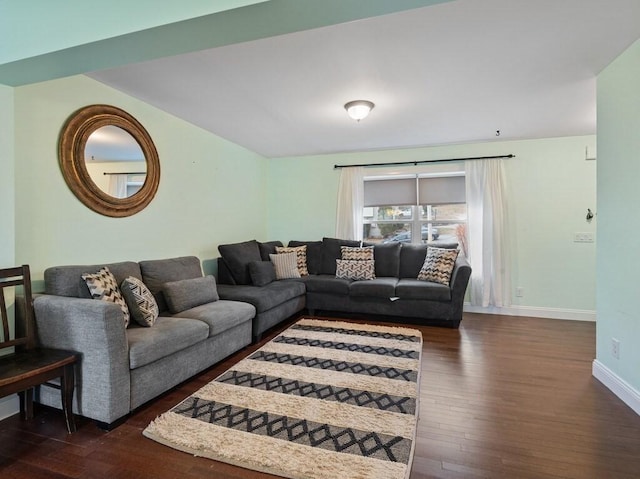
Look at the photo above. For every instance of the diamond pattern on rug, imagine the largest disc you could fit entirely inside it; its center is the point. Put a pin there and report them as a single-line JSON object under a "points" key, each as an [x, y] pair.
{"points": [[357, 332], [325, 436], [342, 366], [356, 348], [374, 400]]}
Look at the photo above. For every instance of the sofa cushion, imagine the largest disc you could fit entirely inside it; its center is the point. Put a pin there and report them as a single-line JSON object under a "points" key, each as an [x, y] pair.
{"points": [[142, 305], [314, 254], [331, 252], [352, 269], [378, 288], [157, 272], [104, 286], [188, 293], [67, 280], [220, 315], [286, 265], [411, 259], [425, 290], [263, 298], [387, 258], [262, 272], [324, 283], [301, 256], [268, 248], [237, 257], [438, 265], [167, 336]]}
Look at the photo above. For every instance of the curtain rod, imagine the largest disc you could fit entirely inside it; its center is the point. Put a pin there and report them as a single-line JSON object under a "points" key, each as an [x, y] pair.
{"points": [[127, 173], [421, 162]]}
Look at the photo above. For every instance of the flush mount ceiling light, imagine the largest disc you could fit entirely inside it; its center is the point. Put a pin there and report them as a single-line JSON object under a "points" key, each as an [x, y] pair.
{"points": [[358, 109]]}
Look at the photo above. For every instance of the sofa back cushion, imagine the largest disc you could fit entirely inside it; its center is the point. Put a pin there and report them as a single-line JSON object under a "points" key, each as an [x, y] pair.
{"points": [[331, 252], [268, 248], [157, 272], [237, 257], [314, 254], [67, 280], [387, 259]]}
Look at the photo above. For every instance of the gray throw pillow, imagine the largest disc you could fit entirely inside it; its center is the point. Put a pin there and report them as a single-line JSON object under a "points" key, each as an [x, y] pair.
{"points": [[189, 293], [262, 272], [142, 305]]}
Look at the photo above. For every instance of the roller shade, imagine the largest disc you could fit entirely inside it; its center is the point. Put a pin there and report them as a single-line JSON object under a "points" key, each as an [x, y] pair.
{"points": [[406, 191], [441, 190], [390, 192]]}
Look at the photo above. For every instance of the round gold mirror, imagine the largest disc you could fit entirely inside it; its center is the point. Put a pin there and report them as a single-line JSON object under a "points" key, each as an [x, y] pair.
{"points": [[108, 160]]}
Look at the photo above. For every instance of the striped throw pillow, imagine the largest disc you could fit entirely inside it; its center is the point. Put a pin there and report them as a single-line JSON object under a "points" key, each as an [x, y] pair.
{"points": [[286, 265], [301, 256]]}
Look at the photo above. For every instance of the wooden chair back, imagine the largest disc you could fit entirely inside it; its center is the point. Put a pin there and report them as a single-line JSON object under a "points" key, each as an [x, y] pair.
{"points": [[23, 336]]}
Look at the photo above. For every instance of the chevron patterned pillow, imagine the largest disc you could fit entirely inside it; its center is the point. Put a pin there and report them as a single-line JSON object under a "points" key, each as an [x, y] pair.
{"points": [[301, 256], [141, 303], [351, 269], [103, 285], [353, 253], [438, 265]]}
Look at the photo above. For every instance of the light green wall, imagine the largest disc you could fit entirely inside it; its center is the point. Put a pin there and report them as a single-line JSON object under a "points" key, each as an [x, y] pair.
{"points": [[550, 187], [618, 225], [7, 202], [211, 191]]}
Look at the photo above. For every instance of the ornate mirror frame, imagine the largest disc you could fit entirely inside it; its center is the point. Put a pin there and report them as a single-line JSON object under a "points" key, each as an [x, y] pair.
{"points": [[73, 139]]}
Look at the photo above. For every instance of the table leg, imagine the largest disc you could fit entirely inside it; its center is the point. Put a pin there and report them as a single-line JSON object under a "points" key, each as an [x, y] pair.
{"points": [[67, 383]]}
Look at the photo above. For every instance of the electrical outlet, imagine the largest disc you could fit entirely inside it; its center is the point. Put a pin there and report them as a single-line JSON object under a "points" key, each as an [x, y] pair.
{"points": [[519, 292], [615, 348]]}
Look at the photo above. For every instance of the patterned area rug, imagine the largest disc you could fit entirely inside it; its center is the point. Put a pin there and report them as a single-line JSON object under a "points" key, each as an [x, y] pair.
{"points": [[324, 399]]}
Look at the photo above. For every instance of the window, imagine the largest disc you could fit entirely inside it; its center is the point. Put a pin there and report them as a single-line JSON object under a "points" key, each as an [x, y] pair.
{"points": [[417, 209]]}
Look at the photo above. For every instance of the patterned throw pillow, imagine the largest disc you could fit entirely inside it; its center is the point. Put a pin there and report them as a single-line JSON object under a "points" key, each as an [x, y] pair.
{"points": [[350, 269], [142, 305], [438, 265], [286, 265], [103, 285], [301, 256], [351, 253]]}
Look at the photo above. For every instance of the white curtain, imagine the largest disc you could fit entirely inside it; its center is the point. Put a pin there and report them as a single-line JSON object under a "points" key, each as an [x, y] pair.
{"points": [[350, 203], [488, 249], [118, 186]]}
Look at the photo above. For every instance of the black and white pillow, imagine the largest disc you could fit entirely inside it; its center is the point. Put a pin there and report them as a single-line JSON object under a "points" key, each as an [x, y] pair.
{"points": [[356, 270], [438, 265], [103, 286], [142, 305]]}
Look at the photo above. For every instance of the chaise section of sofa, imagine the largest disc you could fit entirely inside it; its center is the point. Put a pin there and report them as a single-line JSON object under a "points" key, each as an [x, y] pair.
{"points": [[274, 301], [121, 367]]}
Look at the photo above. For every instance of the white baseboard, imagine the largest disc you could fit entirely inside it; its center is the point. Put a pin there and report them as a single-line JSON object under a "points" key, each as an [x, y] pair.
{"points": [[617, 385], [535, 312], [9, 406]]}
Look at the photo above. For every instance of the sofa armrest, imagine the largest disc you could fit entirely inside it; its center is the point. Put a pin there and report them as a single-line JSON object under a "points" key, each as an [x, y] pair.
{"points": [[95, 329], [459, 281]]}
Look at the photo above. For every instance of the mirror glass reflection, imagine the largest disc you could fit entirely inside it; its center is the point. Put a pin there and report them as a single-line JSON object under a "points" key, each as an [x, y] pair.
{"points": [[115, 161]]}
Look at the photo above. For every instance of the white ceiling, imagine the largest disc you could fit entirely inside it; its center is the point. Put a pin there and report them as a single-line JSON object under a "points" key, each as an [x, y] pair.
{"points": [[450, 73]]}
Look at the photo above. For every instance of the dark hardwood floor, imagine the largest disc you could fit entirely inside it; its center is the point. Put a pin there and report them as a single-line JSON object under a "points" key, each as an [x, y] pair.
{"points": [[501, 397]]}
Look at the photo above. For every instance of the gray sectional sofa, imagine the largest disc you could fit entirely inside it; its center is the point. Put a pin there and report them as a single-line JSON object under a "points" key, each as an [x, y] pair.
{"points": [[395, 291], [122, 367]]}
